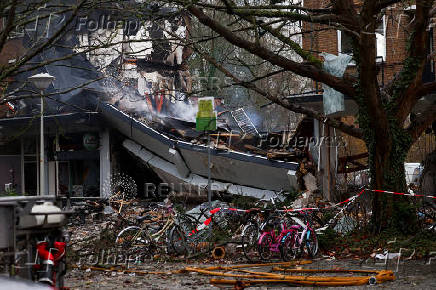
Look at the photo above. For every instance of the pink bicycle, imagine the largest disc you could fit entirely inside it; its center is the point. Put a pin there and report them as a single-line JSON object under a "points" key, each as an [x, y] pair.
{"points": [[272, 232], [299, 239]]}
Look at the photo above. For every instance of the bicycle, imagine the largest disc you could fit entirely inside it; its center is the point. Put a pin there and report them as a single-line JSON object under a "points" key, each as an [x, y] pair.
{"points": [[269, 239], [250, 234], [251, 231], [298, 239], [146, 236]]}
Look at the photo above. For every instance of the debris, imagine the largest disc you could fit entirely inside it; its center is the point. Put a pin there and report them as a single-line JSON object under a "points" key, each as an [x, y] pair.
{"points": [[123, 271], [310, 182], [108, 210], [218, 253], [254, 277], [387, 255], [345, 225], [254, 149]]}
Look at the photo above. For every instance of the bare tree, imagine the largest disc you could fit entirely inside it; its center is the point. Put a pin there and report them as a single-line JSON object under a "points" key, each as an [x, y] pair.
{"points": [[35, 34], [383, 108], [210, 80]]}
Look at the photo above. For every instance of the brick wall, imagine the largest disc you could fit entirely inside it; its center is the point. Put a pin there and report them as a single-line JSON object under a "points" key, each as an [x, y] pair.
{"points": [[397, 33]]}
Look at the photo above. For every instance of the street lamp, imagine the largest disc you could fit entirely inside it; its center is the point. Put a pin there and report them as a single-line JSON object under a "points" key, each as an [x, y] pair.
{"points": [[41, 81]]}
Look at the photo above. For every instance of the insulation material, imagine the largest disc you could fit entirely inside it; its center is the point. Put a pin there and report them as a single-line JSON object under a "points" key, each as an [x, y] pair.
{"points": [[333, 100]]}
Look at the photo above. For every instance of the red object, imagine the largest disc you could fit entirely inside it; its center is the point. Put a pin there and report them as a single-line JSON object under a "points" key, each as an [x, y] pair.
{"points": [[159, 102], [60, 247], [46, 254], [10, 106], [215, 210], [207, 222], [43, 253]]}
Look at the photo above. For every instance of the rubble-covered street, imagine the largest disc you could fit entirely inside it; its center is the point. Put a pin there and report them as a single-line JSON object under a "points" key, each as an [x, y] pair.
{"points": [[411, 275], [92, 258]]}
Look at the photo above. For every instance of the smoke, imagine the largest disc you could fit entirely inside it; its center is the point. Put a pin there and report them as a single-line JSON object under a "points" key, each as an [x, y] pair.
{"points": [[125, 98], [184, 111]]}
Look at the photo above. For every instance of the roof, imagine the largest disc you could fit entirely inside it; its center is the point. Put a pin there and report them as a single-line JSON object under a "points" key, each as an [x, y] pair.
{"points": [[73, 122]]}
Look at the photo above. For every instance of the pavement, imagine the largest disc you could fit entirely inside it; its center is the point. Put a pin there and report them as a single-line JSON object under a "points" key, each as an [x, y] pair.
{"points": [[412, 274]]}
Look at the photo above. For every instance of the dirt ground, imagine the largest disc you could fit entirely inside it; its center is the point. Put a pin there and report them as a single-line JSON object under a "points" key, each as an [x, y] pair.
{"points": [[414, 274]]}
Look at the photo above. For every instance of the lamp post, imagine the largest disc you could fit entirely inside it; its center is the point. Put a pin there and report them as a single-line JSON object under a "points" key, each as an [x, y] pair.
{"points": [[41, 81]]}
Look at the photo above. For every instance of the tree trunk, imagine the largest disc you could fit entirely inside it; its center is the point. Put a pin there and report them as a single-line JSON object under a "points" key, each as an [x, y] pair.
{"points": [[386, 160]]}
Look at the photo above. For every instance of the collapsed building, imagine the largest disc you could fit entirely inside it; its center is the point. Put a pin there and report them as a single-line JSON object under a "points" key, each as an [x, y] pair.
{"points": [[135, 100]]}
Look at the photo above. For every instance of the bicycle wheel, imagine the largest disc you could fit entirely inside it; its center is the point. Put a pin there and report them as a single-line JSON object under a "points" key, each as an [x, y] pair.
{"points": [[311, 243], [264, 246], [134, 242], [177, 241], [288, 247], [249, 239]]}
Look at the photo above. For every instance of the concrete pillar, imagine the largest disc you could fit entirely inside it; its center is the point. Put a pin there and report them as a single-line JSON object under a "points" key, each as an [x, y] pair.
{"points": [[327, 164], [105, 163]]}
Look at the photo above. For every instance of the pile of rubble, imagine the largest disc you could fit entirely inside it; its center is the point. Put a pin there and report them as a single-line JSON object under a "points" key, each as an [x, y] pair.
{"points": [[93, 229], [275, 145], [94, 226]]}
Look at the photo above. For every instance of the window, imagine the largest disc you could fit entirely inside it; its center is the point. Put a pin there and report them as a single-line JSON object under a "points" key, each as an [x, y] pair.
{"points": [[429, 72], [380, 34], [345, 42]]}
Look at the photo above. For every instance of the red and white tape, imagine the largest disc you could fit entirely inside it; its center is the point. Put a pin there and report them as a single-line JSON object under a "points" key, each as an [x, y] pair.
{"points": [[350, 199], [401, 193]]}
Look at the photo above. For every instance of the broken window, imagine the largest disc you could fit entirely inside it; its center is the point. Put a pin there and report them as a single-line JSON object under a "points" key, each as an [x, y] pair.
{"points": [[345, 43]]}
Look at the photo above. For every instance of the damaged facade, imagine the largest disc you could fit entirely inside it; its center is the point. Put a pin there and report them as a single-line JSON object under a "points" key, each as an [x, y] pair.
{"points": [[139, 106]]}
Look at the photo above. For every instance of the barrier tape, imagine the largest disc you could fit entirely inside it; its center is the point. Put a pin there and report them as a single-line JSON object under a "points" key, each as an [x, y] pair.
{"points": [[400, 193], [215, 210], [348, 200]]}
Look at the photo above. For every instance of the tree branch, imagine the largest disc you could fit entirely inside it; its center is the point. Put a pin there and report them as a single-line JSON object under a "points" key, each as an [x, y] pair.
{"points": [[9, 24], [350, 130], [15, 98], [303, 69], [272, 7], [383, 4], [7, 72], [410, 77], [286, 40]]}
